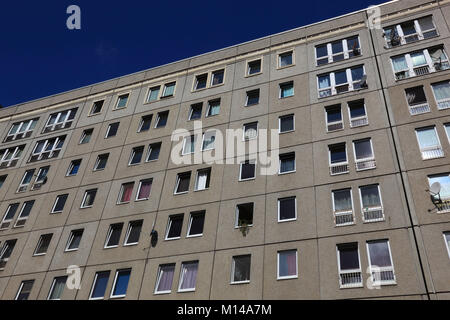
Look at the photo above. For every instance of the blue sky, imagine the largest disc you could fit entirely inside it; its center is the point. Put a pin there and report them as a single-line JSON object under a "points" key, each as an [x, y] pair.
{"points": [[39, 56]]}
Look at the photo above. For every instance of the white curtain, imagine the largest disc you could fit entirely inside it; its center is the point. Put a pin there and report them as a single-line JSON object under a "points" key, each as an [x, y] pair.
{"points": [[202, 178], [370, 196], [418, 59], [165, 278], [342, 200], [427, 138], [441, 90], [399, 63], [189, 275], [324, 82]]}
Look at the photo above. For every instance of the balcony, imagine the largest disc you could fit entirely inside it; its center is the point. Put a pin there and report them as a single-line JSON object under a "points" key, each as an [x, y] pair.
{"points": [[350, 279], [419, 108], [421, 71], [359, 122], [383, 275], [343, 218], [432, 153], [335, 126], [443, 104], [365, 164], [443, 206], [339, 168], [373, 214]]}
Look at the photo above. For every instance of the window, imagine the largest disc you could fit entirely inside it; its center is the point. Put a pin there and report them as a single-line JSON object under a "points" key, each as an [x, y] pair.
{"points": [[343, 207], [153, 94], [57, 288], [136, 155], [202, 180], [446, 126], [287, 209], [371, 205], [145, 123], [217, 77], [86, 136], [26, 180], [287, 264], [88, 199], [201, 81], [419, 63], [209, 137], [285, 59], [169, 90], [145, 186], [247, 170], [3, 179], [444, 179], [73, 168], [349, 265], [43, 243], [334, 118], [286, 123], [113, 236], [122, 101], [240, 269], [286, 89], [59, 204], [196, 223], [213, 108], [253, 67], [357, 112], [74, 240], [244, 215], [125, 192], [441, 93], [182, 184], [189, 145], [196, 111], [188, 276], [161, 119], [47, 149], [9, 215], [250, 130], [97, 107], [417, 101], [447, 242], [364, 154], [340, 81], [10, 156], [153, 151], [380, 262], [24, 213], [24, 290], [20, 130], [112, 130], [99, 286], [252, 97], [429, 144], [60, 120], [120, 284], [287, 162], [338, 159], [165, 278], [337, 50], [174, 227], [6, 251], [41, 177], [133, 233], [410, 31], [101, 162]]}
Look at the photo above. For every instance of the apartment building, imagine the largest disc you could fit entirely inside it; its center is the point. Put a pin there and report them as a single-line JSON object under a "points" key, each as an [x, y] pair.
{"points": [[87, 180]]}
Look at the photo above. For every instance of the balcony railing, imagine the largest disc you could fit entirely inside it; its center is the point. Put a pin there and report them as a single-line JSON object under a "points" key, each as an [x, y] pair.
{"points": [[344, 218], [373, 214], [339, 168], [423, 70], [383, 275], [419, 108], [350, 278], [443, 104], [432, 153], [443, 206], [365, 164], [334, 126], [359, 122]]}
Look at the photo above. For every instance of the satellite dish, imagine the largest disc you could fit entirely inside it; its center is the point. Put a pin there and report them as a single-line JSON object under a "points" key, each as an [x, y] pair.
{"points": [[435, 188]]}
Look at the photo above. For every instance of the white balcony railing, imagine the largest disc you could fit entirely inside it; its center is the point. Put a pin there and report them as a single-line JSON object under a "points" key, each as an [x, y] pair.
{"points": [[350, 278], [423, 70], [339, 168], [419, 108], [373, 214], [443, 104], [383, 275], [359, 122], [334, 126], [365, 164], [443, 206], [344, 218], [432, 152]]}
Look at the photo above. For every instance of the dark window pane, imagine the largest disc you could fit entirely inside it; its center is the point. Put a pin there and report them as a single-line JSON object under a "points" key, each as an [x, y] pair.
{"points": [[122, 279], [197, 221], [241, 268], [247, 170], [245, 214], [114, 234], [60, 202], [348, 256], [98, 291], [154, 151], [287, 208], [112, 130], [183, 182], [334, 114], [135, 231], [338, 154], [175, 225], [357, 108], [287, 123]]}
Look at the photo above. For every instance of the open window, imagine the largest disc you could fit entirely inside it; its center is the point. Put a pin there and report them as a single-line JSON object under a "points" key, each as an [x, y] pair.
{"points": [[429, 144], [417, 101], [244, 215], [343, 207], [371, 205], [364, 156], [349, 265], [338, 159]]}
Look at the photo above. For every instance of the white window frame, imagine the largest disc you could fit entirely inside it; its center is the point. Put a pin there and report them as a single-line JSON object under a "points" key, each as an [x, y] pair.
{"points": [[240, 170], [83, 206], [133, 153], [233, 268], [51, 127], [139, 189], [344, 163], [163, 93], [285, 116], [191, 214], [345, 50], [372, 158], [249, 125], [328, 124], [247, 97], [158, 279], [8, 221], [278, 265], [25, 125], [178, 182], [169, 225], [71, 166], [122, 189], [112, 296], [149, 92], [279, 212], [128, 232], [21, 286], [53, 286], [56, 201], [332, 88], [343, 212], [212, 78], [158, 118], [446, 101], [283, 84], [437, 149], [39, 245], [191, 110], [51, 151], [446, 243], [15, 155], [447, 131], [84, 135], [141, 123], [95, 282], [107, 136], [418, 29], [363, 119], [150, 149], [109, 234], [24, 186], [279, 163], [207, 115], [116, 105], [182, 274], [236, 219], [209, 170], [283, 53], [340, 271], [20, 218], [381, 283], [92, 107], [193, 141], [247, 69], [362, 205], [69, 241], [97, 162], [211, 133]]}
